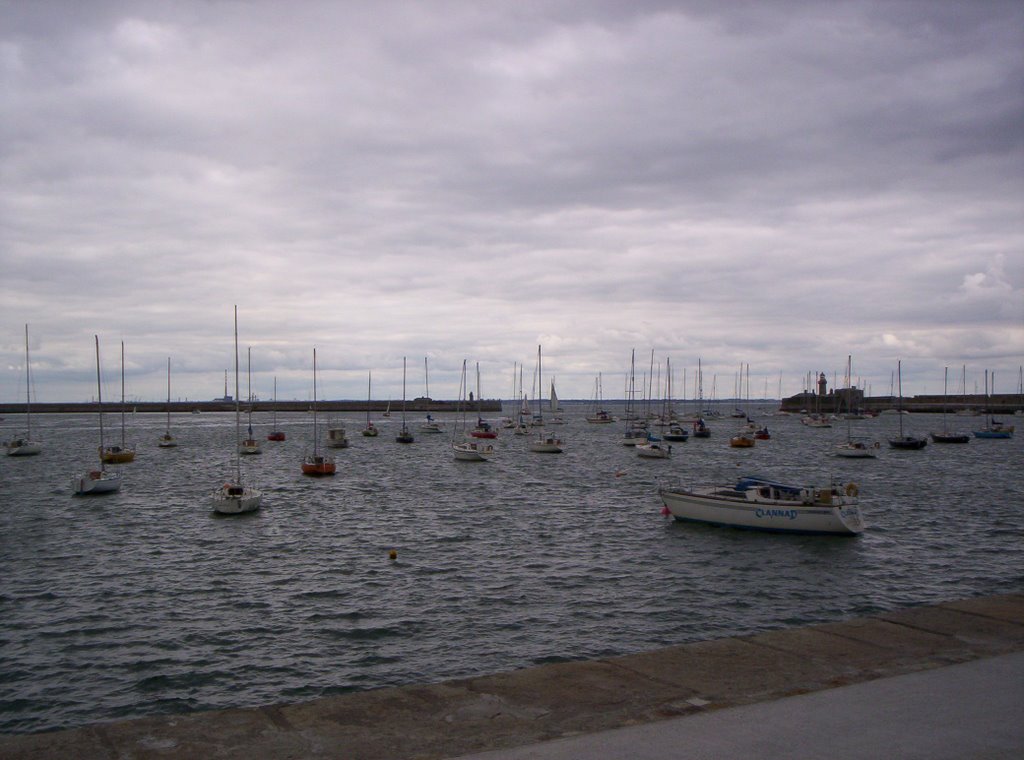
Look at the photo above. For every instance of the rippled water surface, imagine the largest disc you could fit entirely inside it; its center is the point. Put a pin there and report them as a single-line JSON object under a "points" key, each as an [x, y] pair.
{"points": [[146, 602]]}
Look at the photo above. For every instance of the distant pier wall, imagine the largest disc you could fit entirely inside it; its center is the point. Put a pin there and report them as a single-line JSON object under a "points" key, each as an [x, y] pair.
{"points": [[185, 407]]}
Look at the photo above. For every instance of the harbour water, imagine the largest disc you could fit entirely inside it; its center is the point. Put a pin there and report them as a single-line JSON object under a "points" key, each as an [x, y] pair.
{"points": [[145, 602]]}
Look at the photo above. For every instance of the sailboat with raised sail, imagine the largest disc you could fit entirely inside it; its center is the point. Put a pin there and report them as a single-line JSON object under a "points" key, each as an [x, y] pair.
{"points": [[275, 434], [317, 464], [908, 442], [234, 497], [404, 436], [167, 440], [124, 453], [97, 481], [25, 446], [554, 407]]}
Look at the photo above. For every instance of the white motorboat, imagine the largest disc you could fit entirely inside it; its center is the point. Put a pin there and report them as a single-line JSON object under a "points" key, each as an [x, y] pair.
{"points": [[761, 504], [336, 438]]}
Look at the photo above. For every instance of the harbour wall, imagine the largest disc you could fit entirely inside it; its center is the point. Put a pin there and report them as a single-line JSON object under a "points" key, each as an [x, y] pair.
{"points": [[505, 710], [186, 407]]}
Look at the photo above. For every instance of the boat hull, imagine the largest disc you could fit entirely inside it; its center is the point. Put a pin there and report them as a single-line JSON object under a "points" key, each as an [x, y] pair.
{"points": [[96, 482], [950, 438], [548, 445], [855, 451], [908, 443], [318, 466], [235, 500], [472, 451], [778, 516], [653, 451], [993, 434], [24, 448], [277, 435], [117, 456], [167, 442]]}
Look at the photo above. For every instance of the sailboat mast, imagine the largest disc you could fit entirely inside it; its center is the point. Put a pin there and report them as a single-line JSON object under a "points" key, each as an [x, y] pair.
{"points": [[28, 393], [403, 390], [238, 411], [316, 437], [426, 376], [122, 394], [99, 398], [168, 395]]}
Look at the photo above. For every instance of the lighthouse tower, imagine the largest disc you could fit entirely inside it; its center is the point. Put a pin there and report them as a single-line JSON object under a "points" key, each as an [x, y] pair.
{"points": [[822, 385]]}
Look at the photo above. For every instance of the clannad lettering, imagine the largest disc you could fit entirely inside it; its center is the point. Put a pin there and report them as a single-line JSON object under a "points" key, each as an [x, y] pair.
{"points": [[790, 513]]}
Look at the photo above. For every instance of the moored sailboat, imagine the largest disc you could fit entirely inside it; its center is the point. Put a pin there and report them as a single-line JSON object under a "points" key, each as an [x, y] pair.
{"points": [[317, 464], [404, 436], [761, 504], [124, 453], [370, 431], [25, 446], [250, 445], [948, 436], [275, 434], [167, 440], [234, 497], [97, 481], [905, 441], [468, 449]]}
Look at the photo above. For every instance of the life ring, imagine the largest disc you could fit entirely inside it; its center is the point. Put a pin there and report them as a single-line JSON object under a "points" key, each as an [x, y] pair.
{"points": [[851, 489]]}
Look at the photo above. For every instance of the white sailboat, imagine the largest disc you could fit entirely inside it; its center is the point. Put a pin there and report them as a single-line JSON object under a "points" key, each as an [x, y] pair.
{"points": [[25, 447], [468, 449], [429, 424], [167, 440], [97, 481], [853, 448], [545, 443], [554, 408], [234, 497]]}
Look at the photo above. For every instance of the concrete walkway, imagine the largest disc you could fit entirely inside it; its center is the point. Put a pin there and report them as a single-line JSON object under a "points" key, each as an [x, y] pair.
{"points": [[860, 686], [971, 710]]}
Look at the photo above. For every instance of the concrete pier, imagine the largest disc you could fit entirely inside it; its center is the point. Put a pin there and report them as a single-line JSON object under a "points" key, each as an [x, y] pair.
{"points": [[580, 699]]}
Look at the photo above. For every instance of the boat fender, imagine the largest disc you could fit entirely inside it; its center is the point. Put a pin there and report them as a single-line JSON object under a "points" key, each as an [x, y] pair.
{"points": [[851, 489]]}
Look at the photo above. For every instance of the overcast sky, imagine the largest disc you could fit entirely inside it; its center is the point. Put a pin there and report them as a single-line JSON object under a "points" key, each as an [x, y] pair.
{"points": [[773, 183]]}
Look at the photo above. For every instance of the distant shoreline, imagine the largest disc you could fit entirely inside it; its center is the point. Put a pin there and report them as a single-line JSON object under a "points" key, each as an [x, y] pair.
{"points": [[1004, 403]]}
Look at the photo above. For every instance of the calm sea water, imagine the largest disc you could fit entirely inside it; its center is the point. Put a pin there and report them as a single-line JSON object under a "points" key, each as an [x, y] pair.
{"points": [[146, 602]]}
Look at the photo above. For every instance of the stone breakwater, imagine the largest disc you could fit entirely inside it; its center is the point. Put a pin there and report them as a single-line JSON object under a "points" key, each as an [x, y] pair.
{"points": [[186, 407], [551, 701]]}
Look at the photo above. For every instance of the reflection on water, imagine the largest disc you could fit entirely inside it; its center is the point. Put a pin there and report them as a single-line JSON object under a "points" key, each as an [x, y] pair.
{"points": [[144, 601]]}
